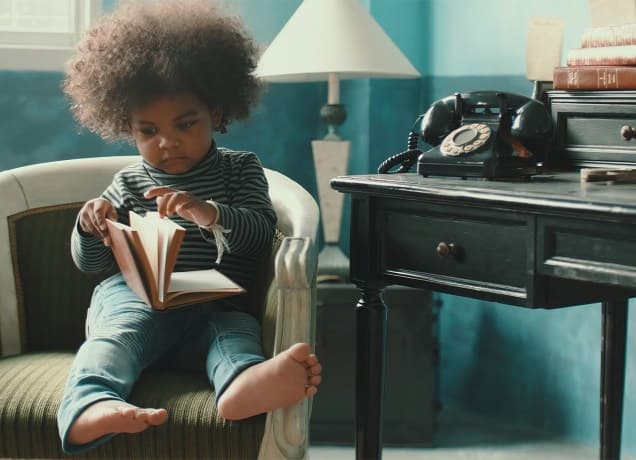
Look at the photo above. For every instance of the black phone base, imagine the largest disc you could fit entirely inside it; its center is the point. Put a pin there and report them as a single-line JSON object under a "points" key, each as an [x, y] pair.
{"points": [[512, 167]]}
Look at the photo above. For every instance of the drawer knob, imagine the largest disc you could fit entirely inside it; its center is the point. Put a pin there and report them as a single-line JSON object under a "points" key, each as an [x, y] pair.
{"points": [[446, 249], [628, 132]]}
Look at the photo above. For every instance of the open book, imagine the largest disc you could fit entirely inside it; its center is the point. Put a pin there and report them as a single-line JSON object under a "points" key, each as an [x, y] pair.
{"points": [[146, 252]]}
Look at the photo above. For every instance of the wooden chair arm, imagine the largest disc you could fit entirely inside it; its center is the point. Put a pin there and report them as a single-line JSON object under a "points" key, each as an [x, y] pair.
{"points": [[286, 430]]}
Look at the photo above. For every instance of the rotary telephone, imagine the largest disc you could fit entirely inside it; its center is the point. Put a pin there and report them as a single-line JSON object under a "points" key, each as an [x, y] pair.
{"points": [[487, 134]]}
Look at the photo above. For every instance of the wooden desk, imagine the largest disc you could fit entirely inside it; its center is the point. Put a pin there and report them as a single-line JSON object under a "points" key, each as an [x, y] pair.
{"points": [[548, 242]]}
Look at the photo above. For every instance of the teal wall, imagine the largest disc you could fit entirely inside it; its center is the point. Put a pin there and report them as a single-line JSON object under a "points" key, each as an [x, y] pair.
{"points": [[535, 368]]}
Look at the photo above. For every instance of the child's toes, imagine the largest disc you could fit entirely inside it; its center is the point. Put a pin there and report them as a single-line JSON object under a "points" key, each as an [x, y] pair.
{"points": [[300, 352], [157, 416], [316, 369], [315, 380]]}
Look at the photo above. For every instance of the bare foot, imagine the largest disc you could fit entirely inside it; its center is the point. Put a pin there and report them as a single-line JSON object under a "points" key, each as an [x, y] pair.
{"points": [[286, 379], [113, 416]]}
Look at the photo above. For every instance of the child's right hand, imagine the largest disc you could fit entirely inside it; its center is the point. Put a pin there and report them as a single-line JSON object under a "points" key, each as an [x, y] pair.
{"points": [[93, 215]]}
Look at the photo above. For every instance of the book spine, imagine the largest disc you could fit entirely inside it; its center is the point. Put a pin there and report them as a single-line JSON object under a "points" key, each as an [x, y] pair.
{"points": [[594, 37], [594, 77], [606, 55]]}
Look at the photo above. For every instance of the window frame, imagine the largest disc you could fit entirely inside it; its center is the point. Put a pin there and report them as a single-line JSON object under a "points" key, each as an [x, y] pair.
{"points": [[38, 51]]}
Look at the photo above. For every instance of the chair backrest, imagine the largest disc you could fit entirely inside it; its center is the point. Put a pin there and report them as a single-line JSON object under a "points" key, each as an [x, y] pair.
{"points": [[43, 297]]}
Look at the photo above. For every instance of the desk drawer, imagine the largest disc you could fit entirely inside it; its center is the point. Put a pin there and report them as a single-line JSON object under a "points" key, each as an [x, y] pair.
{"points": [[598, 131], [601, 252], [588, 129], [457, 246]]}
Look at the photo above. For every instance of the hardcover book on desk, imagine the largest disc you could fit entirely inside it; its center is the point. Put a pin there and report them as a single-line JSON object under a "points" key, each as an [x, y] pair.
{"points": [[605, 60], [617, 35], [604, 55], [595, 77]]}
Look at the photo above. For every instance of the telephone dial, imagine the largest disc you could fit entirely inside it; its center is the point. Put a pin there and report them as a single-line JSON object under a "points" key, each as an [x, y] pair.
{"points": [[487, 134]]}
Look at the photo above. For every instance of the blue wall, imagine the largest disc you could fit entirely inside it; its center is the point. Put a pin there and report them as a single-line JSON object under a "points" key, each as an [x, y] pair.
{"points": [[537, 368]]}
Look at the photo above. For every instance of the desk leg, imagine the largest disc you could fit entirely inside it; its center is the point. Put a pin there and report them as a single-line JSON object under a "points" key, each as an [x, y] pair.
{"points": [[612, 377], [371, 317]]}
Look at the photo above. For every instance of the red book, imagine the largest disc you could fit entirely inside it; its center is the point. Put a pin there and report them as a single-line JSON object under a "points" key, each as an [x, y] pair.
{"points": [[595, 77]]}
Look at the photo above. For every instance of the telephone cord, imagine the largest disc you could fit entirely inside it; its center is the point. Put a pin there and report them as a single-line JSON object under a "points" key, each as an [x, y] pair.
{"points": [[406, 159]]}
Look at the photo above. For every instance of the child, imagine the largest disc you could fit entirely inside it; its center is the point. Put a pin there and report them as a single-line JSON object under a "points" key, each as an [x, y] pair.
{"points": [[167, 75]]}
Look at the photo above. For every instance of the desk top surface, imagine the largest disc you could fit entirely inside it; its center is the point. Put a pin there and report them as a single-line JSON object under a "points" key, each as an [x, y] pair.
{"points": [[559, 190]]}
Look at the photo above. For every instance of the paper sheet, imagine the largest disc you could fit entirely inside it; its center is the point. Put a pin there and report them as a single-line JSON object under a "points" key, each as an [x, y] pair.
{"points": [[198, 280], [545, 44], [612, 12]]}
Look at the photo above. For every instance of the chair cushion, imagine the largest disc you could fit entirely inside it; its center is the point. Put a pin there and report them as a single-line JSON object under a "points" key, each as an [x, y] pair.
{"points": [[31, 388], [52, 315]]}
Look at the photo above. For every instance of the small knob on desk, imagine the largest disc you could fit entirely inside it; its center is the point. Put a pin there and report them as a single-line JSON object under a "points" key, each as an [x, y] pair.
{"points": [[446, 249], [628, 132]]}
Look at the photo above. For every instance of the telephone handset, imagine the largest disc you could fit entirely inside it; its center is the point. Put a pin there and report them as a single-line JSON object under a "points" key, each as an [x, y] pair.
{"points": [[479, 134]]}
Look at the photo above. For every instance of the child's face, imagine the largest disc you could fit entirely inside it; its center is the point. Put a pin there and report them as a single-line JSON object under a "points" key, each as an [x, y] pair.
{"points": [[174, 132]]}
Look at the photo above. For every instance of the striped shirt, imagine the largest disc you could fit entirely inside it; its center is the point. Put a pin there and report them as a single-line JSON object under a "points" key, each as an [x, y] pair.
{"points": [[234, 181]]}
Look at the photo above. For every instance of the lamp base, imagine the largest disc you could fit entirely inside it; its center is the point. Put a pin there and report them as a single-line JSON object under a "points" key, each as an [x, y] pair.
{"points": [[330, 160], [333, 265], [333, 115]]}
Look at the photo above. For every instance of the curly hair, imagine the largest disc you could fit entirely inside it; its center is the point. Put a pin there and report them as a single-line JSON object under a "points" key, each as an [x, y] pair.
{"points": [[145, 49]]}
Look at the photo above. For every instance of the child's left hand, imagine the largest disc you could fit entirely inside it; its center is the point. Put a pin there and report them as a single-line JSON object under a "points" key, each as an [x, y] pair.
{"points": [[184, 204]]}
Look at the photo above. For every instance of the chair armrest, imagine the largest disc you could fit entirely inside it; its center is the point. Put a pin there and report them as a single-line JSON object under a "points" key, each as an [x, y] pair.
{"points": [[286, 430], [29, 188]]}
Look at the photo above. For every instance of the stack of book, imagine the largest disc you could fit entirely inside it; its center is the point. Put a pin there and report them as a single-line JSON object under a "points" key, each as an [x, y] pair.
{"points": [[606, 60]]}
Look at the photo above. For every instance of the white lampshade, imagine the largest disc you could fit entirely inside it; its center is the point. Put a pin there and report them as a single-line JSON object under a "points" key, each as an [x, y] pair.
{"points": [[332, 40], [327, 37]]}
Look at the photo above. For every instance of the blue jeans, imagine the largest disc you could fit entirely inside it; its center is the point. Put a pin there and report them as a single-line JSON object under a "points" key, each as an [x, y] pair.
{"points": [[124, 336]]}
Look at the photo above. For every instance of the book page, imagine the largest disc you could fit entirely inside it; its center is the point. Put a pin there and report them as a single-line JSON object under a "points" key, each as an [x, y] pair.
{"points": [[171, 235], [124, 253], [163, 244], [158, 236], [200, 280], [146, 228]]}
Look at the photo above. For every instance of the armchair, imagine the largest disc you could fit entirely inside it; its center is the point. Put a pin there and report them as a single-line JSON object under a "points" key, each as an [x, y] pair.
{"points": [[43, 302]]}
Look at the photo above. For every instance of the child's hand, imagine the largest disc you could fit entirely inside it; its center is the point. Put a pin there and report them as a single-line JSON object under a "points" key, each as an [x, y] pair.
{"points": [[186, 205], [93, 215]]}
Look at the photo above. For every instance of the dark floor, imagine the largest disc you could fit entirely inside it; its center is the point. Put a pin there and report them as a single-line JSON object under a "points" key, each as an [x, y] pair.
{"points": [[464, 436]]}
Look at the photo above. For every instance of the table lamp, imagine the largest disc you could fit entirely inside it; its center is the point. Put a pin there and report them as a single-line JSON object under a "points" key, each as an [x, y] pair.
{"points": [[329, 40]]}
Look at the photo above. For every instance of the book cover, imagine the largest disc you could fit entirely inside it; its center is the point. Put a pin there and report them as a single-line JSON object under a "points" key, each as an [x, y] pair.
{"points": [[594, 77], [146, 253], [618, 35], [604, 55]]}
